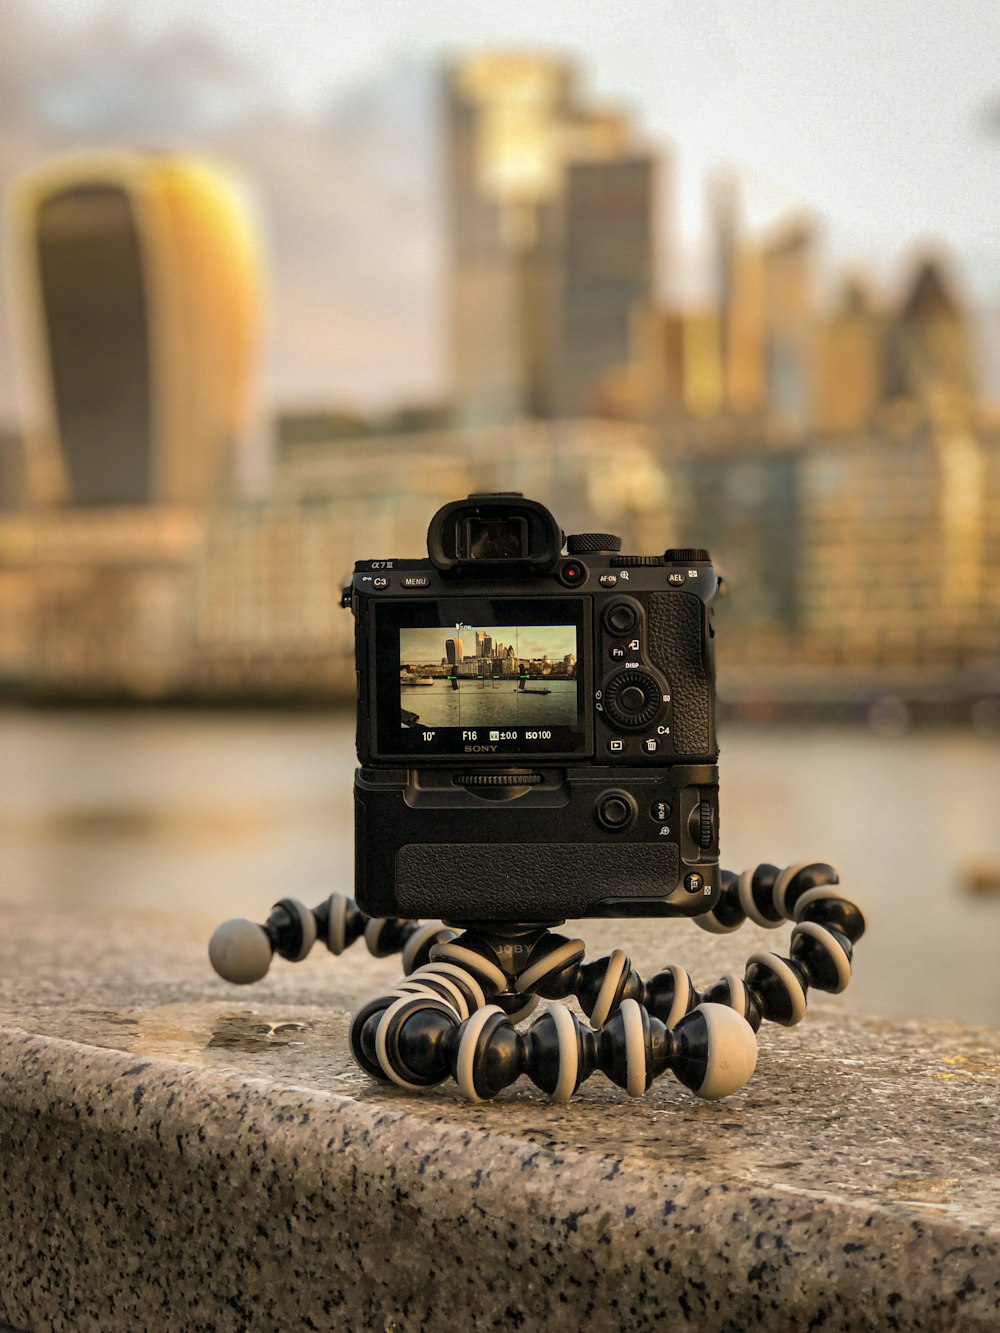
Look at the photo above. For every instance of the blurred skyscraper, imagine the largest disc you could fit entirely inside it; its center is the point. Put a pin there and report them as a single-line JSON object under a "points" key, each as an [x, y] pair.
{"points": [[550, 209], [135, 280], [928, 345]]}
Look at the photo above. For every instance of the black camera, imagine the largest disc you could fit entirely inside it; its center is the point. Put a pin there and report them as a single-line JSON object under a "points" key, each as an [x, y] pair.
{"points": [[536, 730]]}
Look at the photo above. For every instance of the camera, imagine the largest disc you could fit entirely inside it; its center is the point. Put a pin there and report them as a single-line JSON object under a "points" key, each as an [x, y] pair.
{"points": [[536, 724]]}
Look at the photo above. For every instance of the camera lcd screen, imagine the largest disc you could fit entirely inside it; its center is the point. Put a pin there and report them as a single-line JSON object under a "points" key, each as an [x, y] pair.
{"points": [[471, 678]]}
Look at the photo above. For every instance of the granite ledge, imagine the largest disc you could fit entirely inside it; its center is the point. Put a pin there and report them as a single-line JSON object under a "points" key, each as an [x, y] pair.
{"points": [[142, 1191]]}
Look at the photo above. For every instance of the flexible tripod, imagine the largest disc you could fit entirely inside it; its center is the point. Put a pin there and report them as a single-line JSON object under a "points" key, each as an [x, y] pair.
{"points": [[456, 1009]]}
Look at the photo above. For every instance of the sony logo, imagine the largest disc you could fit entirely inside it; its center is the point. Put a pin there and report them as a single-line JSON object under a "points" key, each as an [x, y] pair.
{"points": [[480, 749]]}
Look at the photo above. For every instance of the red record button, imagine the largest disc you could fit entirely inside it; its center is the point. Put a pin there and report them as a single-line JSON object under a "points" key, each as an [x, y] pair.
{"points": [[573, 573]]}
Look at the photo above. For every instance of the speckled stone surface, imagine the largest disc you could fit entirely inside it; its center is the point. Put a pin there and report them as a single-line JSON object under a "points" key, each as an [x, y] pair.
{"points": [[176, 1153]]}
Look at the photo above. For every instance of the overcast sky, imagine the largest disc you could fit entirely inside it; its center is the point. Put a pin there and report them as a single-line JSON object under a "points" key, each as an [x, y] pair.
{"points": [[872, 114], [881, 118]]}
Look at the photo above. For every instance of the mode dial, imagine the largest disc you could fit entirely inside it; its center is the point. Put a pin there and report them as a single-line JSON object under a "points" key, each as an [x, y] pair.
{"points": [[588, 543], [632, 699]]}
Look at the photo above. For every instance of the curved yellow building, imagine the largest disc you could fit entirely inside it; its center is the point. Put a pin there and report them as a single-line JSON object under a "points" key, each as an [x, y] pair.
{"points": [[135, 282]]}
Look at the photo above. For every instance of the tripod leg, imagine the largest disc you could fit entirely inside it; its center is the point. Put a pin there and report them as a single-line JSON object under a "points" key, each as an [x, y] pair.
{"points": [[418, 1040], [241, 951], [826, 926], [468, 974]]}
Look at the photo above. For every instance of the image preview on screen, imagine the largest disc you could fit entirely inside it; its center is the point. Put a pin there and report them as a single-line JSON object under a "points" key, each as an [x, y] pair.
{"points": [[497, 676]]}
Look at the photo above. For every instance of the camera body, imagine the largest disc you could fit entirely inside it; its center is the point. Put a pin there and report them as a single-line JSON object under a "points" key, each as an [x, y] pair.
{"points": [[536, 730]]}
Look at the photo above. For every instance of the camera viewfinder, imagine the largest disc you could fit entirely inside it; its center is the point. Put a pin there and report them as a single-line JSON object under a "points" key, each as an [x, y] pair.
{"points": [[495, 539]]}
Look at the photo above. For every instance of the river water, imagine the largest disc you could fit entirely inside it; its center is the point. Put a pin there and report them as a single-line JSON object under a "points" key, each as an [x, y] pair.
{"points": [[219, 814], [542, 703]]}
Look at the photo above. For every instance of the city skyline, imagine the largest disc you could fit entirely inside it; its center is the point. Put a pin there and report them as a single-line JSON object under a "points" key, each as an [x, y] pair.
{"points": [[724, 91], [426, 646], [688, 81]]}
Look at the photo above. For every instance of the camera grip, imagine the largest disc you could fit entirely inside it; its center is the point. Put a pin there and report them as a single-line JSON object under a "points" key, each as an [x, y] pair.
{"points": [[676, 637], [529, 881]]}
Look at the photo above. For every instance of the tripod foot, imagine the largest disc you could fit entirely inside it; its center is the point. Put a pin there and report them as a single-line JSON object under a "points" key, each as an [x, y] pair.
{"points": [[240, 951]]}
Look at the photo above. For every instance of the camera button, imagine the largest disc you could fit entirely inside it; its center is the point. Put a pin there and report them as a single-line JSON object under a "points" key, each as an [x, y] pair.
{"points": [[415, 581], [621, 618], [694, 883], [380, 583], [573, 573], [616, 746], [617, 653], [615, 810], [608, 580], [659, 811], [676, 577]]}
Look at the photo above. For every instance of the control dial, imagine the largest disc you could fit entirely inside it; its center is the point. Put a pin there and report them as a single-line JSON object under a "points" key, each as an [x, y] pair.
{"points": [[685, 555], [701, 824], [588, 543], [632, 699]]}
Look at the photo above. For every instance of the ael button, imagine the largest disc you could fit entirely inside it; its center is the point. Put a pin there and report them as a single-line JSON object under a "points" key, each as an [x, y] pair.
{"points": [[615, 810]]}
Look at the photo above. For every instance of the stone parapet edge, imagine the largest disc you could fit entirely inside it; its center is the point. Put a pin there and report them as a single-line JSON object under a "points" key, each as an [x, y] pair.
{"points": [[142, 1192]]}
